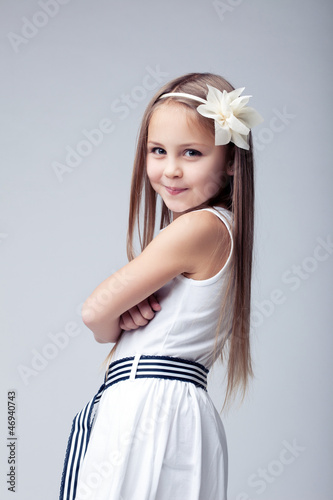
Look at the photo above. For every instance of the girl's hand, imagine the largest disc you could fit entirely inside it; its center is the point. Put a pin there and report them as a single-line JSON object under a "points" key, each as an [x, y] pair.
{"points": [[140, 314]]}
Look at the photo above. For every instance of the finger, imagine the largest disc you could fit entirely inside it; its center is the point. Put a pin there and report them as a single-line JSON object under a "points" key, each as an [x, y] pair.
{"points": [[146, 310], [123, 326], [126, 322], [137, 317], [155, 305]]}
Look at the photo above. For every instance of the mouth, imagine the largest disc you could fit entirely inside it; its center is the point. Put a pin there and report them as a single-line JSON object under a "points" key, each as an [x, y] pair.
{"points": [[174, 191]]}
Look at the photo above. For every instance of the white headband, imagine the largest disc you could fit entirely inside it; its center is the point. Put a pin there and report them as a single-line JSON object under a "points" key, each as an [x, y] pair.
{"points": [[233, 119]]}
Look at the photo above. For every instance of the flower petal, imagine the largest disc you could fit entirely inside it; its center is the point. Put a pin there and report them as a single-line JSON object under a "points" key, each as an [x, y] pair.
{"points": [[237, 125], [234, 93], [207, 111], [240, 140], [239, 103], [214, 96], [233, 118], [222, 135], [250, 117]]}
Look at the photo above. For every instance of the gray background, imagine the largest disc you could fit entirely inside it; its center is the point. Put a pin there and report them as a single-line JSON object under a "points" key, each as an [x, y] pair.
{"points": [[62, 235]]}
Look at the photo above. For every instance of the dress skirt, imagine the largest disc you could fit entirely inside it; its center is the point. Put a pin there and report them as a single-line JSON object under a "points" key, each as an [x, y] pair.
{"points": [[155, 439]]}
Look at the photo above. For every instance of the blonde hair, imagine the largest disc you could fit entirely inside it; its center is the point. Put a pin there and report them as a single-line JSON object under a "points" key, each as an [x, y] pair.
{"points": [[237, 195]]}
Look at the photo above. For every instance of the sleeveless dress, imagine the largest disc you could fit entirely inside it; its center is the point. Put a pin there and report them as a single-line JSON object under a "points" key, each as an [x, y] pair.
{"points": [[159, 439]]}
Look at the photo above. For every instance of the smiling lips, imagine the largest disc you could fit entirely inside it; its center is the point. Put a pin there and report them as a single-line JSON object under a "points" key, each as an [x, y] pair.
{"points": [[174, 191]]}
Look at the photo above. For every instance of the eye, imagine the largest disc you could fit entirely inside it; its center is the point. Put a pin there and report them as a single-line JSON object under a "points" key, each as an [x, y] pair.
{"points": [[158, 151], [192, 153]]}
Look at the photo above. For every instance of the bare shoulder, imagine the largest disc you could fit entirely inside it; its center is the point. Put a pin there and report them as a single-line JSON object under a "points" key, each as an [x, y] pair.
{"points": [[201, 227], [202, 240]]}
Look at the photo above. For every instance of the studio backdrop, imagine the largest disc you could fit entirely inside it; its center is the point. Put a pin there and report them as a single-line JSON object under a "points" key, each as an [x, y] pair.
{"points": [[76, 78]]}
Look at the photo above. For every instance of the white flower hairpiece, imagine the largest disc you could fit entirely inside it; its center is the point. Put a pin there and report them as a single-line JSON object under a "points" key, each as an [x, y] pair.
{"points": [[233, 119]]}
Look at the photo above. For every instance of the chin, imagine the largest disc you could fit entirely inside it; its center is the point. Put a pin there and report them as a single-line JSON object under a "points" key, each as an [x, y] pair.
{"points": [[178, 208]]}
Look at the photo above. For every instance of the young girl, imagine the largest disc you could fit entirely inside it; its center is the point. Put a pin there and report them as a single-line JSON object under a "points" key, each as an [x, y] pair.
{"points": [[152, 431]]}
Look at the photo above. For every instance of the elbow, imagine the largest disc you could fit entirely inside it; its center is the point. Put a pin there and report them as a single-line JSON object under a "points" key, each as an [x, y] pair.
{"points": [[105, 330], [100, 340], [93, 318], [105, 337], [88, 315]]}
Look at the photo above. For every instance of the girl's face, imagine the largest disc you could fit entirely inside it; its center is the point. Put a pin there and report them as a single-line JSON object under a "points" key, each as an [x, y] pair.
{"points": [[183, 164]]}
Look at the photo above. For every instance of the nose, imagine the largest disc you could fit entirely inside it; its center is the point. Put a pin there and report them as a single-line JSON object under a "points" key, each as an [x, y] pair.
{"points": [[172, 167]]}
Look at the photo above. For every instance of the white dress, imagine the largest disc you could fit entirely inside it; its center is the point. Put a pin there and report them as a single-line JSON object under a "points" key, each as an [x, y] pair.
{"points": [[158, 439]]}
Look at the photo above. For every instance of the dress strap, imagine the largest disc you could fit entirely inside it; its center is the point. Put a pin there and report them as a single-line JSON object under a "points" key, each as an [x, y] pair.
{"points": [[224, 215]]}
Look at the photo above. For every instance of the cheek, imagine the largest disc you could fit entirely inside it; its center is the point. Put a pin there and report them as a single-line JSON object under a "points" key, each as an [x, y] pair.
{"points": [[152, 172], [209, 181], [218, 169], [209, 186], [209, 174]]}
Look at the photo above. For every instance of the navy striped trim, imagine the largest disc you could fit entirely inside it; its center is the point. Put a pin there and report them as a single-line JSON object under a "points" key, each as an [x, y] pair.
{"points": [[165, 367], [77, 447], [158, 367]]}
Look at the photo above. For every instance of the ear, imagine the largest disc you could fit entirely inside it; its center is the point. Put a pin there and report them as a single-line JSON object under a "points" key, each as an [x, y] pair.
{"points": [[231, 160], [230, 168]]}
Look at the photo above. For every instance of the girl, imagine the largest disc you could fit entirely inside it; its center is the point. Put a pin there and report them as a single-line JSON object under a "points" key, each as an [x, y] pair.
{"points": [[175, 308]]}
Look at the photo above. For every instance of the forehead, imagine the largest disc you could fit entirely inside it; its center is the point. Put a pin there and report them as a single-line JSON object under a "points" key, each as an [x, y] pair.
{"points": [[175, 119]]}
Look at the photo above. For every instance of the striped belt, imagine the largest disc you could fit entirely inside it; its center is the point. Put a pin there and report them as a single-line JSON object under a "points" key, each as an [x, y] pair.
{"points": [[135, 367]]}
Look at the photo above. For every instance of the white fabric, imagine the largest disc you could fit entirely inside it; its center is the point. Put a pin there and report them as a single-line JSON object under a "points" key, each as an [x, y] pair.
{"points": [[185, 326], [157, 439]]}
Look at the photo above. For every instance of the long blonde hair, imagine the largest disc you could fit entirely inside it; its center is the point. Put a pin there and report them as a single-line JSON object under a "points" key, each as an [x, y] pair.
{"points": [[237, 195]]}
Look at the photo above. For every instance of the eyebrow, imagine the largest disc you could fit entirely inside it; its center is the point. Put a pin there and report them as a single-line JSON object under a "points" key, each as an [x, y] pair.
{"points": [[180, 145]]}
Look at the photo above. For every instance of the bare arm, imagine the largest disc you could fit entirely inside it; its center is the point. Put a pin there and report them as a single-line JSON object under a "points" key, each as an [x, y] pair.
{"points": [[177, 249]]}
